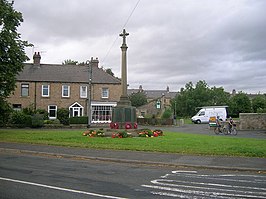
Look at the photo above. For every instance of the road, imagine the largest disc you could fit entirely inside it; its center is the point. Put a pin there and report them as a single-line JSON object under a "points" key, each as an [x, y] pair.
{"points": [[205, 130], [39, 176]]}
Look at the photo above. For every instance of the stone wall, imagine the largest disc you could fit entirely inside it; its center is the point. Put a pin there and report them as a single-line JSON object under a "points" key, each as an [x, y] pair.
{"points": [[252, 121]]}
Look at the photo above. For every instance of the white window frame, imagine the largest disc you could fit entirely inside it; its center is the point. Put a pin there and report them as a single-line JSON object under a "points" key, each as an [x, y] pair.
{"points": [[68, 90], [101, 113], [49, 109], [25, 87], [105, 93], [83, 94], [48, 90]]}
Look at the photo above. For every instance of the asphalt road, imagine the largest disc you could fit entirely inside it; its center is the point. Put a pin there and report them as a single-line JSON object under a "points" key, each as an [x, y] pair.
{"points": [[205, 130], [27, 176]]}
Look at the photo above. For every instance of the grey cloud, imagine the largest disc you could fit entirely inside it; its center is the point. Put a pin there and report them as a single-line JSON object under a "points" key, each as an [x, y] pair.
{"points": [[170, 42]]}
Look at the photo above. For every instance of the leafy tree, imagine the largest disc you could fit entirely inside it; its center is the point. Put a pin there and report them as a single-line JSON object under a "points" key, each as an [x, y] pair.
{"points": [[167, 114], [239, 103], [259, 104], [82, 63], [191, 97], [12, 54], [219, 96], [69, 62], [138, 99]]}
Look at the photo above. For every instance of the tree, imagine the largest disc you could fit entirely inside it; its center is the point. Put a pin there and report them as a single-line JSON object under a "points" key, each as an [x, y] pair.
{"points": [[12, 54], [259, 104], [167, 114], [191, 97], [69, 62], [138, 99], [239, 103], [219, 96]]}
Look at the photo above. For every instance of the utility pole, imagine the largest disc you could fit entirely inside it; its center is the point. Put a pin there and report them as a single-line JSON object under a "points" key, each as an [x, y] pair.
{"points": [[89, 94]]}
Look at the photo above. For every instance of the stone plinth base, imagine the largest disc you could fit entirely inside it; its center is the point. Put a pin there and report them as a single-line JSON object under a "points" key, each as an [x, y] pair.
{"points": [[124, 117]]}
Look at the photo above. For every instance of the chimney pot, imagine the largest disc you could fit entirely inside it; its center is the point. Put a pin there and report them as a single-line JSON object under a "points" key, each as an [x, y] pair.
{"points": [[37, 58], [94, 62]]}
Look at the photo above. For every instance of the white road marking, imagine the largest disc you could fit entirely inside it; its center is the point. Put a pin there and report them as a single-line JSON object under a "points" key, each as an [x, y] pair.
{"points": [[160, 181], [202, 193], [59, 188], [184, 184], [218, 177], [208, 188], [180, 171]]}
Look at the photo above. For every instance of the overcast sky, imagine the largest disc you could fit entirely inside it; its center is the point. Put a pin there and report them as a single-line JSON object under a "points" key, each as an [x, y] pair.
{"points": [[170, 42]]}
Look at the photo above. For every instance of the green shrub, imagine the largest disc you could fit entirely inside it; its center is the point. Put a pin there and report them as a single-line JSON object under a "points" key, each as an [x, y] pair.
{"points": [[56, 121], [5, 111], [63, 116], [19, 119], [43, 112], [167, 114], [28, 110], [37, 121], [78, 120]]}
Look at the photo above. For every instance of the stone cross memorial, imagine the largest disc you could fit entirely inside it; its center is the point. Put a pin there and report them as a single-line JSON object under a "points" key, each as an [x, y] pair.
{"points": [[124, 115]]}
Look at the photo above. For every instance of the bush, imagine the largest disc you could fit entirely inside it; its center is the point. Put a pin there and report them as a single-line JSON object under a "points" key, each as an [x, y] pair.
{"points": [[78, 120], [37, 121], [19, 119], [43, 112], [63, 116], [56, 121], [28, 110], [5, 111], [167, 114]]}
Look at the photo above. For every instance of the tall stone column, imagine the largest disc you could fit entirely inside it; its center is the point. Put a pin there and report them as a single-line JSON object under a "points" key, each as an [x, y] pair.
{"points": [[124, 115], [124, 101]]}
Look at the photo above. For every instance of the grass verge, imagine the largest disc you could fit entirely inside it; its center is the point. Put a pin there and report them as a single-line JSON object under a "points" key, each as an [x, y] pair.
{"points": [[169, 143]]}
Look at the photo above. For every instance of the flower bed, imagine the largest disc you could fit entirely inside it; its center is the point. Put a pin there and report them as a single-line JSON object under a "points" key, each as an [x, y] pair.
{"points": [[150, 133], [94, 133], [124, 133]]}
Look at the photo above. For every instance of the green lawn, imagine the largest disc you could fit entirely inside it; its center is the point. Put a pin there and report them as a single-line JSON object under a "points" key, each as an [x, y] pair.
{"points": [[170, 143]]}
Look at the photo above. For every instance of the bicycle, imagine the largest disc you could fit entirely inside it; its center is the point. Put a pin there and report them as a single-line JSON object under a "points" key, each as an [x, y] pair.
{"points": [[233, 130], [227, 130], [220, 129]]}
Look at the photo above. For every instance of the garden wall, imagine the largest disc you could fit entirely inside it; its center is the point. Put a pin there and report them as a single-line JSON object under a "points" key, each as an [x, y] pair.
{"points": [[252, 121], [154, 121]]}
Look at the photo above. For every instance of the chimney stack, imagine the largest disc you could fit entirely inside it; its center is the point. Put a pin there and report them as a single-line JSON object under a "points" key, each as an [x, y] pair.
{"points": [[37, 58], [140, 88], [94, 62]]}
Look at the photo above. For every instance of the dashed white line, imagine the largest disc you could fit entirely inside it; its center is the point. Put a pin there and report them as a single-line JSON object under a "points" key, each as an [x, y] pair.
{"points": [[60, 188]]}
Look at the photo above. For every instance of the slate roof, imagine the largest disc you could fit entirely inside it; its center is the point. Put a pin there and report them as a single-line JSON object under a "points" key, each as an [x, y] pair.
{"points": [[65, 73], [154, 94]]}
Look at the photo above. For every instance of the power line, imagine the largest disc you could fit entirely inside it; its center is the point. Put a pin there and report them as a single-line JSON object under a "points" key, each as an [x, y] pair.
{"points": [[121, 30]]}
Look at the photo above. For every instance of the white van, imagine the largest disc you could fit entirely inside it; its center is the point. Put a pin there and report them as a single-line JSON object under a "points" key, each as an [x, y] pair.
{"points": [[206, 112]]}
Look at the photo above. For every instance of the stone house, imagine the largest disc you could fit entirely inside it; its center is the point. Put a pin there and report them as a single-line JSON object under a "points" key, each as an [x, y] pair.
{"points": [[158, 101], [54, 86]]}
